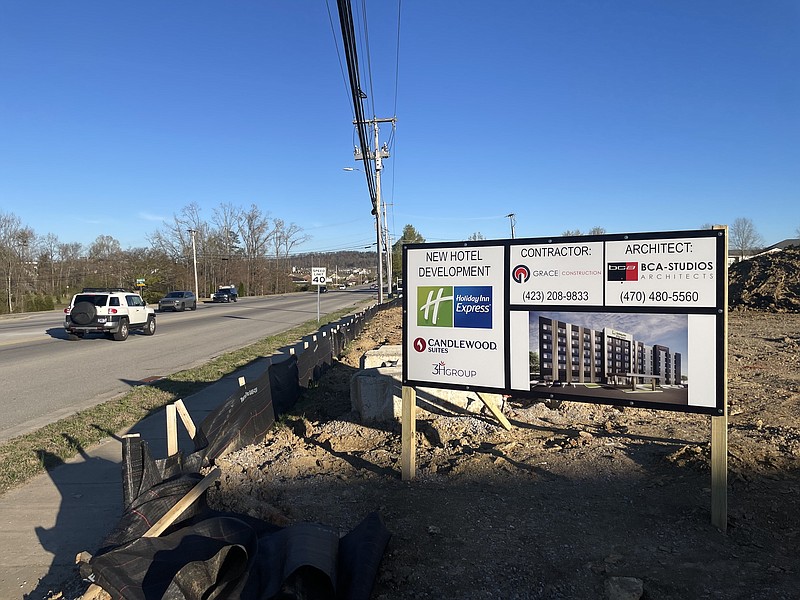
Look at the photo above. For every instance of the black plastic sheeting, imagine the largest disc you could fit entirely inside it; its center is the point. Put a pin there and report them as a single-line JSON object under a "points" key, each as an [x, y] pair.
{"points": [[234, 557], [284, 384], [150, 488], [207, 555], [244, 418]]}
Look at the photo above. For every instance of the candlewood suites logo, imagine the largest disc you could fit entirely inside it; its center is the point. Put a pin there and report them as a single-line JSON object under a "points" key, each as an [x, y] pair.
{"points": [[455, 306]]}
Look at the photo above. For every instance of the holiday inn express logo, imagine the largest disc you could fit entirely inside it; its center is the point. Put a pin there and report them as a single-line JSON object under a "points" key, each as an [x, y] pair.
{"points": [[435, 306], [454, 306]]}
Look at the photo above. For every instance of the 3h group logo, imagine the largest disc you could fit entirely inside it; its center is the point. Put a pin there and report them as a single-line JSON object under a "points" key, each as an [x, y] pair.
{"points": [[455, 306]]}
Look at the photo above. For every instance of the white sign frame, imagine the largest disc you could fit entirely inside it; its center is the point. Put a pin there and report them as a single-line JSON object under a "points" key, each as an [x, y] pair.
{"points": [[609, 287]]}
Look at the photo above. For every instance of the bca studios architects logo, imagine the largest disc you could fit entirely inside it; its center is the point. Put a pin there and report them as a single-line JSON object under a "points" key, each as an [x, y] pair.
{"points": [[623, 271], [455, 306]]}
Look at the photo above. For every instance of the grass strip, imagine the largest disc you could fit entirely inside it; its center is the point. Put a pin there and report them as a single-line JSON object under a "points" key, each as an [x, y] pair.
{"points": [[28, 455]]}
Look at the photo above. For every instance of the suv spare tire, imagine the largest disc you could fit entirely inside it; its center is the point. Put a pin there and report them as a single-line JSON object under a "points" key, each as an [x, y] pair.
{"points": [[83, 313]]}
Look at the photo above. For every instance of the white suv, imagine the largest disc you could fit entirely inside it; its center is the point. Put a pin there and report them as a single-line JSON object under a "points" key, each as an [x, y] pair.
{"points": [[111, 311]]}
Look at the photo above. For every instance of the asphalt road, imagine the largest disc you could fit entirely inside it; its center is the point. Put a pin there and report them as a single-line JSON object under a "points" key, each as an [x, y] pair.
{"points": [[44, 376]]}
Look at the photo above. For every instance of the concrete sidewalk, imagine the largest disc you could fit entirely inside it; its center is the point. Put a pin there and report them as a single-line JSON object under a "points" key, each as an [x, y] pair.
{"points": [[47, 521]]}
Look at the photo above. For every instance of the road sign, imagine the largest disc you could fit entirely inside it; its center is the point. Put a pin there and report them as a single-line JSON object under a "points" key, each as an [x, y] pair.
{"points": [[318, 275]]}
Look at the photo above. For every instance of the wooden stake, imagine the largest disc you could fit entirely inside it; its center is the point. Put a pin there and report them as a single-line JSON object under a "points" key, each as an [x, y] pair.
{"points": [[172, 430], [408, 452], [181, 505], [495, 411], [186, 418]]}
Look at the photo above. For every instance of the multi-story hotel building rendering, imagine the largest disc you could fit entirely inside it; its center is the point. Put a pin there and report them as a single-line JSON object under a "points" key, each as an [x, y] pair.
{"points": [[572, 353]]}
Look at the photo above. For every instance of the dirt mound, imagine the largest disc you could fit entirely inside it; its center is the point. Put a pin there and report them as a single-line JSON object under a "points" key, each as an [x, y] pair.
{"points": [[767, 282]]}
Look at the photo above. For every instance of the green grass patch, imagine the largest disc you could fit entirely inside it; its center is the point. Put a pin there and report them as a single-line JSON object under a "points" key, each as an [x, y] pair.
{"points": [[29, 455]]}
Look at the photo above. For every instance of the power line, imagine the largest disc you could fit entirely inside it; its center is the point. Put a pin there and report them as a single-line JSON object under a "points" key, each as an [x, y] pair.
{"points": [[358, 96], [335, 43]]}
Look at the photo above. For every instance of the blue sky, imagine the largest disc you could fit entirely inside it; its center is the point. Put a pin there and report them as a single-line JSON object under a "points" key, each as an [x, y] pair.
{"points": [[631, 115]]}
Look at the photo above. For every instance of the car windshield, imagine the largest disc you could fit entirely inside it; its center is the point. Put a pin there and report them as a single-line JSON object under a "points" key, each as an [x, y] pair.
{"points": [[175, 295], [96, 299]]}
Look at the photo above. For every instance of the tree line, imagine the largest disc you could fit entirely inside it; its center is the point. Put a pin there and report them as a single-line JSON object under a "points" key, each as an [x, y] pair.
{"points": [[245, 247], [241, 246]]}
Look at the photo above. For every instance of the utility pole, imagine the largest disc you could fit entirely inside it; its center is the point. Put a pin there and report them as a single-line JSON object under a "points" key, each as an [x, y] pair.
{"points": [[194, 255], [377, 155], [511, 217], [388, 251]]}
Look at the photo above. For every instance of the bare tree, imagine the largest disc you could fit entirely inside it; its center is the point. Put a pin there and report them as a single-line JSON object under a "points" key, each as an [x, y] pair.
{"points": [[226, 237], [47, 261], [9, 226], [175, 240], [744, 238], [596, 230], [16, 242], [255, 231], [69, 261], [476, 236], [287, 237]]}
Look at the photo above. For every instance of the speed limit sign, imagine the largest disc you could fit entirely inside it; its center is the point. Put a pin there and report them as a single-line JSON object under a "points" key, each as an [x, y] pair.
{"points": [[318, 275]]}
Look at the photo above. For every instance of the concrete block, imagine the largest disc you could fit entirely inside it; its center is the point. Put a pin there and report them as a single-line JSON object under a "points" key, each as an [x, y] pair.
{"points": [[388, 355], [376, 394]]}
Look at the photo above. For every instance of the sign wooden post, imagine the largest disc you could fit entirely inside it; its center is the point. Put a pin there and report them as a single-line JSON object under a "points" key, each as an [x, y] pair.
{"points": [[719, 428], [408, 451]]}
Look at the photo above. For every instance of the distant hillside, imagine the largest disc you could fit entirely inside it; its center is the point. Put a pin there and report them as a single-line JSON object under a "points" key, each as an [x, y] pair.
{"points": [[345, 259], [767, 282]]}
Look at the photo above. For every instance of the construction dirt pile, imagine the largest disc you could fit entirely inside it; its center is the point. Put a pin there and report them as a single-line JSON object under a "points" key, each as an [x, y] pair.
{"points": [[767, 282], [581, 501]]}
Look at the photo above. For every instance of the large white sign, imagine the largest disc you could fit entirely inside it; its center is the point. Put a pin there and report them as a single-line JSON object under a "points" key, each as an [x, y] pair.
{"points": [[456, 315], [632, 319]]}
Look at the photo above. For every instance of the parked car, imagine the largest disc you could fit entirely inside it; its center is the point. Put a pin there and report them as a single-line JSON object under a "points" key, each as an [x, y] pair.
{"points": [[178, 301], [111, 311]]}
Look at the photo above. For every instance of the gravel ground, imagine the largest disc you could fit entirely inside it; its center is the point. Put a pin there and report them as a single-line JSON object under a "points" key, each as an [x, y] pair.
{"points": [[580, 501]]}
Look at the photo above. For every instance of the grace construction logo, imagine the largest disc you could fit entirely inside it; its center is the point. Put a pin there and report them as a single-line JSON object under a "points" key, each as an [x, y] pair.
{"points": [[455, 306], [521, 273], [623, 271]]}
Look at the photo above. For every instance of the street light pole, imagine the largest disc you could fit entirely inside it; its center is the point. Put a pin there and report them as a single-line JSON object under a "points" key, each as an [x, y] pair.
{"points": [[194, 256]]}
